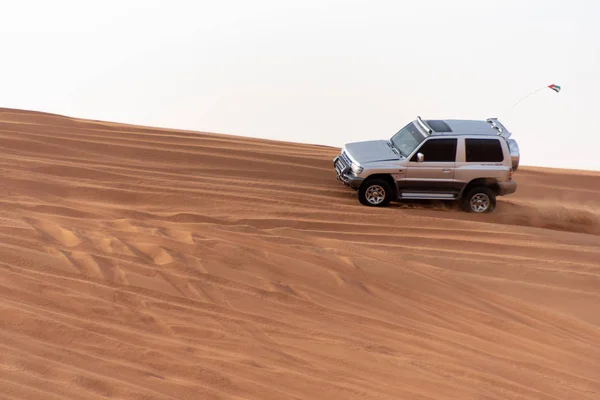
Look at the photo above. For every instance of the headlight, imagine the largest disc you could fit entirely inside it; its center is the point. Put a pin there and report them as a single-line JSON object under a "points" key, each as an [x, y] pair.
{"points": [[356, 169]]}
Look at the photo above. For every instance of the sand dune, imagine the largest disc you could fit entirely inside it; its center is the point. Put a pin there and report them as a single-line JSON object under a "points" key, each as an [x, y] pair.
{"points": [[142, 263]]}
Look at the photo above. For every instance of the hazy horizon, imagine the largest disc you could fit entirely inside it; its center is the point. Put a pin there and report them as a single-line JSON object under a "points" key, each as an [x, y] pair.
{"points": [[322, 72]]}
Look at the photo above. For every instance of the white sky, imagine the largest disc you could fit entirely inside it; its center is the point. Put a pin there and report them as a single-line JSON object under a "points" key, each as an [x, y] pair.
{"points": [[325, 72]]}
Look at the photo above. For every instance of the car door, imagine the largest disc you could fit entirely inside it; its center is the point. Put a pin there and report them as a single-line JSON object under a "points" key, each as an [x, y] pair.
{"points": [[434, 175]]}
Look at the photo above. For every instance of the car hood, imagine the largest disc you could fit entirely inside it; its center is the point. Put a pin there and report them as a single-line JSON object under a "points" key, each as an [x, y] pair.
{"points": [[372, 150]]}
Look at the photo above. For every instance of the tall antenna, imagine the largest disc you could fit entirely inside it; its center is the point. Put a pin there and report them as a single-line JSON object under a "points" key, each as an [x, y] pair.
{"points": [[554, 87]]}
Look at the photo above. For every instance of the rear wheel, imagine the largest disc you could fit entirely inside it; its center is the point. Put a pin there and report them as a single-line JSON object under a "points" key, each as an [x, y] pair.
{"points": [[375, 193], [479, 200]]}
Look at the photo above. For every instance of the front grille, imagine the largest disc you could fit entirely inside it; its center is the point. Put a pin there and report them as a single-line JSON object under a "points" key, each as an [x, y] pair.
{"points": [[346, 159]]}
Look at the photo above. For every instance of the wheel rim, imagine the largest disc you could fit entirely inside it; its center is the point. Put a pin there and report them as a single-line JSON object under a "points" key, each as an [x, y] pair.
{"points": [[480, 202], [375, 194]]}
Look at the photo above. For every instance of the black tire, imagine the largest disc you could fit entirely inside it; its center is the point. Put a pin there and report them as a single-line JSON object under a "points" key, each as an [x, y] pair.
{"points": [[375, 193], [479, 200]]}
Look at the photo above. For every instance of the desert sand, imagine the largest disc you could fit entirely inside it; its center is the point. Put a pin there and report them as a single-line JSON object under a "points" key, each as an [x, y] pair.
{"points": [[145, 263]]}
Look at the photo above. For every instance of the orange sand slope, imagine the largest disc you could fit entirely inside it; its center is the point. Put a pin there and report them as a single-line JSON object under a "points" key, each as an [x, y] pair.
{"points": [[141, 263]]}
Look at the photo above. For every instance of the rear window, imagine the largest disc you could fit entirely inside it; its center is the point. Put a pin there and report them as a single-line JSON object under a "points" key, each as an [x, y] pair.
{"points": [[483, 150]]}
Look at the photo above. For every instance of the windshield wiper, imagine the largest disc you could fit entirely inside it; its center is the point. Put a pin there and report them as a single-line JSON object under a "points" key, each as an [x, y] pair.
{"points": [[394, 148]]}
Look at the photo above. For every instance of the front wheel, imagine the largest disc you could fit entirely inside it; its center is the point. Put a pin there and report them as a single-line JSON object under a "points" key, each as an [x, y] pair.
{"points": [[375, 193], [479, 200]]}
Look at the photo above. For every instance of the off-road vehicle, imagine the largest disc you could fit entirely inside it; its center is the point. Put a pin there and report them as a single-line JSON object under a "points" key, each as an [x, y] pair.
{"points": [[471, 161]]}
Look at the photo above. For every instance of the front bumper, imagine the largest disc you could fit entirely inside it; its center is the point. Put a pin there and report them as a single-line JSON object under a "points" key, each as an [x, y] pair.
{"points": [[344, 174], [507, 187]]}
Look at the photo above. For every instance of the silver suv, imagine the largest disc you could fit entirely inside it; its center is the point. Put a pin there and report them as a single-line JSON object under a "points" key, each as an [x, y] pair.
{"points": [[471, 161]]}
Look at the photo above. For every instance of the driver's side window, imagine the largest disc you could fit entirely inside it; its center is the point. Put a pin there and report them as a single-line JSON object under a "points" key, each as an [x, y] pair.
{"points": [[437, 150]]}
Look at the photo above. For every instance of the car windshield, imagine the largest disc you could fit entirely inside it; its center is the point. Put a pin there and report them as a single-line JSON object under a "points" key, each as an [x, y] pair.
{"points": [[407, 139]]}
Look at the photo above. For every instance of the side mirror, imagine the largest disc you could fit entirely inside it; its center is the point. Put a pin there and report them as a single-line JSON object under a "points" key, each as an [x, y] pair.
{"points": [[420, 157]]}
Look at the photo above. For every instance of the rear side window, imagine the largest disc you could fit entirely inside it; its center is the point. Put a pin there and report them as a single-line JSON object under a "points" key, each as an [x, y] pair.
{"points": [[483, 150], [438, 150]]}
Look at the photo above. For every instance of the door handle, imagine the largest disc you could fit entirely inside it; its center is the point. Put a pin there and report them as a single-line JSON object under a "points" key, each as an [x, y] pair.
{"points": [[446, 170]]}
